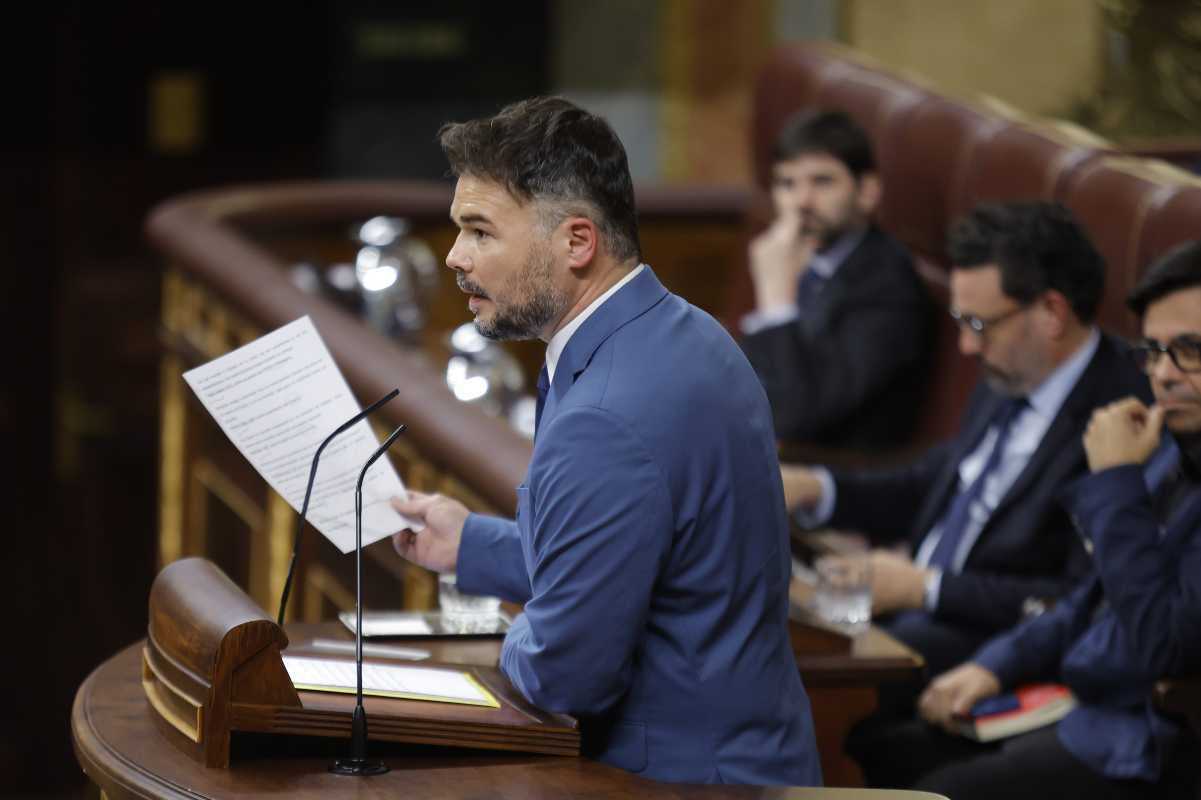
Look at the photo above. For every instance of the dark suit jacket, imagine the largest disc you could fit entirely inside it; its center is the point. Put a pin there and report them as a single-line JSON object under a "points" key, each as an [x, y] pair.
{"points": [[850, 374], [1027, 548], [1111, 639]]}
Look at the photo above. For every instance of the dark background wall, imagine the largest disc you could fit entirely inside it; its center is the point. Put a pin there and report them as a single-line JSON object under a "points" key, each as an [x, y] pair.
{"points": [[111, 108]]}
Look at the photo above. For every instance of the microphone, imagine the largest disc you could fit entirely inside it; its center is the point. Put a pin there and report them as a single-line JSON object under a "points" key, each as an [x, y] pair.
{"points": [[358, 763], [308, 492]]}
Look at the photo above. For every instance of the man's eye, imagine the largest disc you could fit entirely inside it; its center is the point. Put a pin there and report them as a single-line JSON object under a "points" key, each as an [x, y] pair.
{"points": [[479, 234]]}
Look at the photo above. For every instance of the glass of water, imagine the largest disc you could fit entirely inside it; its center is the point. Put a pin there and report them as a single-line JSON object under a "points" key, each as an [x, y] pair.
{"points": [[844, 591], [465, 613]]}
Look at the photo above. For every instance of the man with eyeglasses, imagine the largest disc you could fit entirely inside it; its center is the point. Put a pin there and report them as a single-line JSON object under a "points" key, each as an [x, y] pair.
{"points": [[983, 539], [1136, 621]]}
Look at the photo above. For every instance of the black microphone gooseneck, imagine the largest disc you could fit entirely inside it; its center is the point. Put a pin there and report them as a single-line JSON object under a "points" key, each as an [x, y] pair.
{"points": [[358, 763], [308, 492]]}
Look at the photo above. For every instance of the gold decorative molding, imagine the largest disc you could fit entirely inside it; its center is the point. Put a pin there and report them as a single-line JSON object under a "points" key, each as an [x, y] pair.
{"points": [[321, 586]]}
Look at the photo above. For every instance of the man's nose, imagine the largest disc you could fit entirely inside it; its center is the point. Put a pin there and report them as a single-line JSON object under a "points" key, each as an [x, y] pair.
{"points": [[456, 259], [970, 343]]}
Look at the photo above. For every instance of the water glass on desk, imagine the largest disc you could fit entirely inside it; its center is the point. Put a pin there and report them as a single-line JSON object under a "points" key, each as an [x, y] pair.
{"points": [[465, 613], [844, 591]]}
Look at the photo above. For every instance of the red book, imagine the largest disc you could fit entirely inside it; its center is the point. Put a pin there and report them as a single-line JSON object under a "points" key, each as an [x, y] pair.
{"points": [[1024, 709]]}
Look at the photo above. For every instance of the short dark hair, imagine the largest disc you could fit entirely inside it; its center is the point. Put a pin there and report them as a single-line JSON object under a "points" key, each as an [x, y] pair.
{"points": [[547, 148], [1037, 246], [831, 133], [1179, 269]]}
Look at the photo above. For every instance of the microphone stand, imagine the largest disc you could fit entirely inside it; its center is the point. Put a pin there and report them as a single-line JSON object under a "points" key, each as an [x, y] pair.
{"points": [[358, 763], [308, 492]]}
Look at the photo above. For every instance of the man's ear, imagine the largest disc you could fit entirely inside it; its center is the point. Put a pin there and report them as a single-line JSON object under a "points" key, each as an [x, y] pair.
{"points": [[868, 194], [581, 240], [1057, 310]]}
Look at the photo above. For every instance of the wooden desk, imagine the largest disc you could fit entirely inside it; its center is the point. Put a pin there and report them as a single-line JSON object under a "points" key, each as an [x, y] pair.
{"points": [[123, 753]]}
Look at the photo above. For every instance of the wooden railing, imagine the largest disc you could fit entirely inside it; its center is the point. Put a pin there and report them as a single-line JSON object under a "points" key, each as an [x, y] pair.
{"points": [[226, 283]]}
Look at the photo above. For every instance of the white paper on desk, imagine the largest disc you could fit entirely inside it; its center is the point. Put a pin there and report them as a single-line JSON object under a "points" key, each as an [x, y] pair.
{"points": [[385, 623], [277, 398], [388, 680]]}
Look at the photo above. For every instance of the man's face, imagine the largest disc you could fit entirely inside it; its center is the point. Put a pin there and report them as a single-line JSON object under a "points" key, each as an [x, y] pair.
{"points": [[1013, 355], [1179, 393], [820, 190], [502, 258]]}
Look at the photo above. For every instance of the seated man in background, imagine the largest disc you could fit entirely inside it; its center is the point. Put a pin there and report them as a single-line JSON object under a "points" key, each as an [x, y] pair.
{"points": [[840, 333], [1137, 620], [985, 538]]}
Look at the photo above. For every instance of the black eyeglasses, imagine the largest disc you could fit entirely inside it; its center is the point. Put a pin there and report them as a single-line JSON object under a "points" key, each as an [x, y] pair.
{"points": [[1185, 352], [981, 325]]}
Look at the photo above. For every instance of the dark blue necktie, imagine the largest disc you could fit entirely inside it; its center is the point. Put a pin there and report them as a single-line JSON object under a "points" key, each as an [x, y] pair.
{"points": [[955, 523], [809, 288], [543, 388]]}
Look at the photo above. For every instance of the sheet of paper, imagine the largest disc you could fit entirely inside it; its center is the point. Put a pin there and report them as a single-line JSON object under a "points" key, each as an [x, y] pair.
{"points": [[384, 624], [387, 680], [277, 398]]}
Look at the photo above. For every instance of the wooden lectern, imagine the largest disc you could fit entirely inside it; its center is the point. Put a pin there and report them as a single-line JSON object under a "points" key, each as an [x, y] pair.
{"points": [[212, 665]]}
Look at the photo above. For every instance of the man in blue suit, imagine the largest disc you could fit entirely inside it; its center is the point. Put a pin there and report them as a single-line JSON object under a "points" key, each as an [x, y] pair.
{"points": [[650, 546], [1137, 620]]}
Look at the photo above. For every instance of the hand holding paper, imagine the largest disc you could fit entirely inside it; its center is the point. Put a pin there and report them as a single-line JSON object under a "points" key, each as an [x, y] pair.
{"points": [[276, 399], [441, 519]]}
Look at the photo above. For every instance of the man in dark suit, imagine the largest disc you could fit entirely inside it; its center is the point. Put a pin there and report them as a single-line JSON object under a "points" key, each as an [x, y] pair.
{"points": [[840, 333], [1136, 621], [650, 548], [986, 541]]}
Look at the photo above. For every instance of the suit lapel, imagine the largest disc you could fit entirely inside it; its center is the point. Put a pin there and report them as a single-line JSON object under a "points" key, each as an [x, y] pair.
{"points": [[1184, 521], [839, 284], [948, 480], [629, 302], [1064, 432]]}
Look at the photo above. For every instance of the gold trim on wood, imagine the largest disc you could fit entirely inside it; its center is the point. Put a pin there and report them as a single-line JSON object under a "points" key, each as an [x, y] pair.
{"points": [[281, 523], [320, 584], [172, 704], [172, 430], [205, 479]]}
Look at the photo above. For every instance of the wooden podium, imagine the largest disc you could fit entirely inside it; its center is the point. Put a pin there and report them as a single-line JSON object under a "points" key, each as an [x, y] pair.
{"points": [[212, 665]]}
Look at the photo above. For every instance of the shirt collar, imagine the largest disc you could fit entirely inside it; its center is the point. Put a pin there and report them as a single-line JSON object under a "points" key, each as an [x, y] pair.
{"points": [[826, 262], [1048, 397], [554, 348]]}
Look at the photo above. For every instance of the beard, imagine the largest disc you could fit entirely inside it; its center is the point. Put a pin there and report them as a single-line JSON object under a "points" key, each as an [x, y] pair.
{"points": [[825, 230], [536, 300], [1000, 381]]}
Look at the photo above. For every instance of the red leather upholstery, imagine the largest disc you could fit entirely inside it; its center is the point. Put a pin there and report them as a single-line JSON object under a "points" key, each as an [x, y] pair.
{"points": [[1022, 162], [939, 157], [1114, 198]]}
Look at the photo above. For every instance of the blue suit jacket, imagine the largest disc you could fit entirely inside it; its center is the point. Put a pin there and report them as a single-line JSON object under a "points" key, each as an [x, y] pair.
{"points": [[651, 552], [1137, 621]]}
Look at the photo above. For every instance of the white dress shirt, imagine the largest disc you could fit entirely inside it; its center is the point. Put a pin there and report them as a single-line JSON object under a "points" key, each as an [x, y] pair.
{"points": [[1025, 434], [554, 348]]}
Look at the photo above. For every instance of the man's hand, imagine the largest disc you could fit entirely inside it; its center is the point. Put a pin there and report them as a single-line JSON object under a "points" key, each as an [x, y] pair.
{"points": [[801, 486], [897, 583], [778, 257], [955, 692], [437, 546], [1125, 432]]}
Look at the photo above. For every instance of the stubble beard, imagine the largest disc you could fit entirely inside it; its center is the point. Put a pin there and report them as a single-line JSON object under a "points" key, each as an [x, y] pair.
{"points": [[538, 301]]}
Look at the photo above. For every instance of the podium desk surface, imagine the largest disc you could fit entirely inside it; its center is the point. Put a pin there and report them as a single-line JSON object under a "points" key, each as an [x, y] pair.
{"points": [[123, 752]]}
